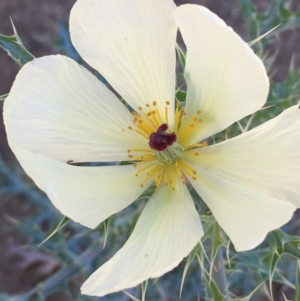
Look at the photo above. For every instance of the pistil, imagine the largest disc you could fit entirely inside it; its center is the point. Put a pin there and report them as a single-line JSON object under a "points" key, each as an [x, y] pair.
{"points": [[164, 159]]}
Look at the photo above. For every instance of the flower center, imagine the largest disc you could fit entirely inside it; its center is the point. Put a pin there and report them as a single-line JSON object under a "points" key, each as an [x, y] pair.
{"points": [[171, 154], [164, 144], [161, 140], [164, 159]]}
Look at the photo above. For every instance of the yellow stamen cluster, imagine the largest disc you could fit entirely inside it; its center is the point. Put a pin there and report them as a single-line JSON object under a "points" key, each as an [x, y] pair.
{"points": [[184, 128], [163, 166], [147, 121]]}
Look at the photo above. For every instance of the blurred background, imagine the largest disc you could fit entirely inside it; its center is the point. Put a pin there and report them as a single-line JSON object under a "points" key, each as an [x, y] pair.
{"points": [[27, 217]]}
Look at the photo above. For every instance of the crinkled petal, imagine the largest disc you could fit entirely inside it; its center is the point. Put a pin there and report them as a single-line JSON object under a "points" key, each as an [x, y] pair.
{"points": [[226, 80], [244, 214], [265, 159], [132, 44], [88, 195], [167, 230], [59, 109]]}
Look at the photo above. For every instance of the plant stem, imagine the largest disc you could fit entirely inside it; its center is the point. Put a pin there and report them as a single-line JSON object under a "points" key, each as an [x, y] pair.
{"points": [[219, 273]]}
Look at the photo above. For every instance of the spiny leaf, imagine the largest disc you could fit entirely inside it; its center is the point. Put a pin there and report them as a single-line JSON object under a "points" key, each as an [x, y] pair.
{"points": [[285, 299], [297, 294], [106, 225], [247, 298], [62, 223], [2, 97], [213, 231], [280, 243], [191, 257], [180, 95], [251, 43], [15, 48], [131, 297], [144, 289], [181, 57], [284, 243], [212, 291]]}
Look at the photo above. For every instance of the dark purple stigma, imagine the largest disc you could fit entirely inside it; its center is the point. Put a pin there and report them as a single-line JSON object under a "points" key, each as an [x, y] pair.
{"points": [[160, 140]]}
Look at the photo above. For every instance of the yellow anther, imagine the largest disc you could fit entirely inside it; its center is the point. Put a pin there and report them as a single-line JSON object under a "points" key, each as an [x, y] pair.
{"points": [[150, 165], [145, 167], [152, 172], [187, 169]]}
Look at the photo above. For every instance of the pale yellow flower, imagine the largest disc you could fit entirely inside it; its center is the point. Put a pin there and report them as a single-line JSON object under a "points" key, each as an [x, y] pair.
{"points": [[57, 112]]}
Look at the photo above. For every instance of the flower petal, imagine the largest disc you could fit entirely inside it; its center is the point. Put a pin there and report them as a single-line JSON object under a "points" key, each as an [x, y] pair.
{"points": [[225, 79], [251, 181], [87, 195], [167, 230], [244, 214], [59, 109], [265, 159], [132, 44]]}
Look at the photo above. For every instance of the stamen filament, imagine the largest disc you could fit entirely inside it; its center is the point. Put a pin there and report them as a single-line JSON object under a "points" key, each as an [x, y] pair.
{"points": [[172, 176], [167, 112], [141, 150], [166, 172], [145, 128], [196, 145], [145, 167], [142, 134], [177, 117], [162, 165], [152, 172], [157, 124], [158, 116], [159, 177], [188, 169], [180, 173], [187, 132]]}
